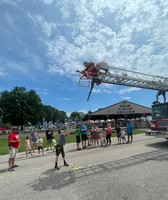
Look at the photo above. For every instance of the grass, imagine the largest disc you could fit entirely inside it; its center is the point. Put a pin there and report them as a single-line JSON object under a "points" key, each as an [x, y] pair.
{"points": [[69, 139]]}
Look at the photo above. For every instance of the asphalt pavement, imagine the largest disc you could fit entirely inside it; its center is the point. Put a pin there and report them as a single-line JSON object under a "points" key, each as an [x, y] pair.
{"points": [[135, 171]]}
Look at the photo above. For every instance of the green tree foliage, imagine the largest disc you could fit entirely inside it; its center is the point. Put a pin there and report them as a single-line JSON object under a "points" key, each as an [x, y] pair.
{"points": [[76, 116], [53, 114], [19, 106]]}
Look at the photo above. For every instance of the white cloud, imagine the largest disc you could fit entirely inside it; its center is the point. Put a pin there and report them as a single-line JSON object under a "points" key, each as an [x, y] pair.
{"points": [[11, 2], [48, 2], [130, 43], [44, 25], [3, 73], [64, 99], [128, 90], [126, 98]]}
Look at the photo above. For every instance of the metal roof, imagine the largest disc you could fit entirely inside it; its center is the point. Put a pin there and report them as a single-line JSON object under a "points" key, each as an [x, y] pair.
{"points": [[122, 109]]}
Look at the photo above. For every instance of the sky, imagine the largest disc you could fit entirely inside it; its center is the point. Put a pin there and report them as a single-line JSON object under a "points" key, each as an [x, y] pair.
{"points": [[44, 42]]}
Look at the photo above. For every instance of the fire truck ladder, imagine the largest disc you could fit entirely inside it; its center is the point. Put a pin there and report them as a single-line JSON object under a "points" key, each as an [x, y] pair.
{"points": [[118, 76], [124, 77]]}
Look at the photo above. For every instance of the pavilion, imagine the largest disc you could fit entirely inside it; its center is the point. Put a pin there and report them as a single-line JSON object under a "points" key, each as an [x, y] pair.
{"points": [[124, 110]]}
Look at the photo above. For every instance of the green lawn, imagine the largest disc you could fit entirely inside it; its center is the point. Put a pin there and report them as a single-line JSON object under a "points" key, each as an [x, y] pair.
{"points": [[69, 139]]}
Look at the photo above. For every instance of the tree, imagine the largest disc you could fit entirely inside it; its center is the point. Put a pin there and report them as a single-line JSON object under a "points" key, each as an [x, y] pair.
{"points": [[76, 116], [19, 106], [53, 114]]}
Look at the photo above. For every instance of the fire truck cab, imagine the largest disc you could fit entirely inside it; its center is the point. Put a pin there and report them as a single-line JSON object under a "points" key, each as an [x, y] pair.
{"points": [[159, 122]]}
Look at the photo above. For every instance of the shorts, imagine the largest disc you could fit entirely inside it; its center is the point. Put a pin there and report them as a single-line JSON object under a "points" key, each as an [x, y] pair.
{"points": [[12, 152], [84, 137], [40, 147], [78, 139], [49, 141], [60, 150]]}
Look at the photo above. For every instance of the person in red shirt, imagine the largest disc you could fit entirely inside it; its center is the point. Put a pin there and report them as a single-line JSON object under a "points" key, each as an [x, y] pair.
{"points": [[13, 144]]}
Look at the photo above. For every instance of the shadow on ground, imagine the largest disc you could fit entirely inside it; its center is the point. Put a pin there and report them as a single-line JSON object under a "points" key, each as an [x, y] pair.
{"points": [[55, 180]]}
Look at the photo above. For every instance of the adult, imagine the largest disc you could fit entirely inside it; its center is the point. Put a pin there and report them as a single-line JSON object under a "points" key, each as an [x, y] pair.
{"points": [[130, 128], [90, 70], [49, 137], [108, 134], [33, 139], [13, 145], [83, 131]]}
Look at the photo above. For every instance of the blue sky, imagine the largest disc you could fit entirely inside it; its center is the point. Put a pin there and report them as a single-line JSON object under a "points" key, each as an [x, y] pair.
{"points": [[43, 43]]}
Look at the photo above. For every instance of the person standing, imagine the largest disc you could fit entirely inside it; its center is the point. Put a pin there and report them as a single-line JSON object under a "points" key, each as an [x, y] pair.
{"points": [[83, 130], [40, 145], [95, 135], [49, 137], [60, 149], [13, 145], [108, 134], [123, 135], [33, 139], [28, 146], [130, 128], [118, 132], [77, 134]]}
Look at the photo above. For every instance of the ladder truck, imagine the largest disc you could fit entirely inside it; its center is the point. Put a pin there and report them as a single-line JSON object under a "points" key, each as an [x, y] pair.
{"points": [[118, 76]]}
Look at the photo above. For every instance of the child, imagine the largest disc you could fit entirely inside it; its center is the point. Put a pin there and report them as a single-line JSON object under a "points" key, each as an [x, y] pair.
{"points": [[60, 149], [123, 135], [77, 134], [40, 145], [103, 137], [54, 143], [28, 146]]}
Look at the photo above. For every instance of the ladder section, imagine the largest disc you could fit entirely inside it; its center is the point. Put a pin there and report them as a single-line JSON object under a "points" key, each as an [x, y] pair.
{"points": [[124, 77]]}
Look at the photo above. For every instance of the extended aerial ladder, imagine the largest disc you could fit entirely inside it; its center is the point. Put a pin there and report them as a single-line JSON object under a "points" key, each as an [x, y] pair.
{"points": [[118, 76], [134, 79]]}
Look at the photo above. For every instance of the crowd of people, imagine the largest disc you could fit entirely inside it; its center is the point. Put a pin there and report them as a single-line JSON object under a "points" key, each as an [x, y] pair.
{"points": [[94, 136], [33, 141], [85, 136]]}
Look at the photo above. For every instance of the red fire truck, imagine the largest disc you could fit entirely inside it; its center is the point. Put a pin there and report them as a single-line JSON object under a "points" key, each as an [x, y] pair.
{"points": [[160, 117]]}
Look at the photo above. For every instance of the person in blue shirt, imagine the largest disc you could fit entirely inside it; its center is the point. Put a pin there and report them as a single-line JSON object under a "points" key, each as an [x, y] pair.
{"points": [[130, 128]]}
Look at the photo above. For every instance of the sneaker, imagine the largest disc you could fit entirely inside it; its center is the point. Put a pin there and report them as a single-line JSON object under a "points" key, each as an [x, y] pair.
{"points": [[14, 166], [65, 164], [11, 169], [57, 168]]}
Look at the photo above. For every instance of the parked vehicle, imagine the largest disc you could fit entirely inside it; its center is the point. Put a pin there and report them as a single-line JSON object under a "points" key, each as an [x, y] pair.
{"points": [[159, 122]]}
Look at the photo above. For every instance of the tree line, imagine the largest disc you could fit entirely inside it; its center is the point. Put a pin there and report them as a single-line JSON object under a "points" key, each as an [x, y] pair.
{"points": [[20, 107]]}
